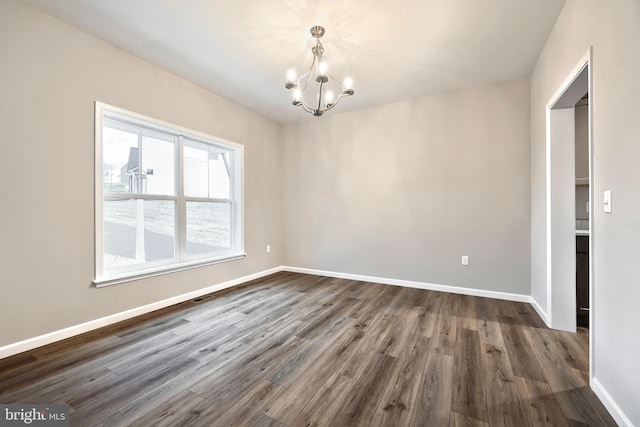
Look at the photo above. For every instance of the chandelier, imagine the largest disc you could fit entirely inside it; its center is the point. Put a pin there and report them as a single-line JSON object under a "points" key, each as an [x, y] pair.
{"points": [[315, 90]]}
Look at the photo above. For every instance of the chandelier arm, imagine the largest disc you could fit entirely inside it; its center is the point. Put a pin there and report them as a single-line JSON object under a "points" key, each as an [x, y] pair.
{"points": [[334, 79], [309, 73], [320, 96], [303, 103], [306, 108], [308, 76], [303, 87], [334, 104], [304, 76], [307, 79]]}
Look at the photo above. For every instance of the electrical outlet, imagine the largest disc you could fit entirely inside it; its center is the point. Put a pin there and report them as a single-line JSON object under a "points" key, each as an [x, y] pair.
{"points": [[268, 248], [465, 260]]}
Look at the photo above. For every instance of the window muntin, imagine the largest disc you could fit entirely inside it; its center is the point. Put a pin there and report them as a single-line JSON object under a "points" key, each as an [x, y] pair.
{"points": [[166, 197]]}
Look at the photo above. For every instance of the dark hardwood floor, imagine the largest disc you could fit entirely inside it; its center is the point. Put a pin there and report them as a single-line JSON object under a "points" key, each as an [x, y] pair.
{"points": [[298, 350]]}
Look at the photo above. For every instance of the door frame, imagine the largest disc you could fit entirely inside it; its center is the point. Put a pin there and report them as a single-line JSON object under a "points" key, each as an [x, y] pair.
{"points": [[560, 201]]}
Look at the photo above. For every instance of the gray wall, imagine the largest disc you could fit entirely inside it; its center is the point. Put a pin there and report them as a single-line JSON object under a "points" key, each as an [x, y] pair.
{"points": [[612, 27], [582, 198], [582, 159], [51, 74], [582, 140], [403, 190]]}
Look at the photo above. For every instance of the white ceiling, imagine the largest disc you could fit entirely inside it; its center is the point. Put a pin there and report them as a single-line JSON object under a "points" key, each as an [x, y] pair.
{"points": [[394, 50]]}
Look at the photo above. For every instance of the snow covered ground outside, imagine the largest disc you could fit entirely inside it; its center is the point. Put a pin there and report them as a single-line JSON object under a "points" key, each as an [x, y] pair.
{"points": [[208, 226]]}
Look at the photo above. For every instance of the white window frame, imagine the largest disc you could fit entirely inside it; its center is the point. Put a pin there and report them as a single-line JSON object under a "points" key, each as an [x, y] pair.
{"points": [[181, 261]]}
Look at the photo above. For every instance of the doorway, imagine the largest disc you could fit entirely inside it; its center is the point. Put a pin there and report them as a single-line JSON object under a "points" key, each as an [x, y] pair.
{"points": [[583, 214], [561, 200]]}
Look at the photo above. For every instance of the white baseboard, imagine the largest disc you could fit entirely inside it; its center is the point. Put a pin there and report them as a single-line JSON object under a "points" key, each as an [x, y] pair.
{"points": [[610, 404], [31, 343], [411, 284], [539, 310]]}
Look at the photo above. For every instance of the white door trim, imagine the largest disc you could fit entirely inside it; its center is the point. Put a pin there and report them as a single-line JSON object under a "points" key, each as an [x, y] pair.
{"points": [[560, 223]]}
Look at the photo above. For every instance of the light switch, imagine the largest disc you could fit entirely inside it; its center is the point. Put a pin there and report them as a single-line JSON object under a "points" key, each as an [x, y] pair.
{"points": [[607, 201]]}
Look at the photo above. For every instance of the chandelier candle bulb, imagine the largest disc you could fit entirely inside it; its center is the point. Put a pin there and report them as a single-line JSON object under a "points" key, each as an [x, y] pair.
{"points": [[291, 79], [296, 97], [329, 98], [322, 72], [347, 86]]}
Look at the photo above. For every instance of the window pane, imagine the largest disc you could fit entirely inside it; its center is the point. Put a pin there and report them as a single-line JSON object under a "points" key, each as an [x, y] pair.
{"points": [[208, 227], [137, 231], [119, 148], [206, 171], [157, 172]]}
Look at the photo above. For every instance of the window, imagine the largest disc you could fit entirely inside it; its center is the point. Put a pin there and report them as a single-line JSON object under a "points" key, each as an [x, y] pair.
{"points": [[167, 198]]}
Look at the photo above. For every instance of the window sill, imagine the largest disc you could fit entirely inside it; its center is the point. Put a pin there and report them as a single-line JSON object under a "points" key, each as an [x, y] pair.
{"points": [[159, 271]]}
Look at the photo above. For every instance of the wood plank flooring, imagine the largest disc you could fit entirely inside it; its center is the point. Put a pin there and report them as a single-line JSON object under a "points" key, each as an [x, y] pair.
{"points": [[298, 350]]}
